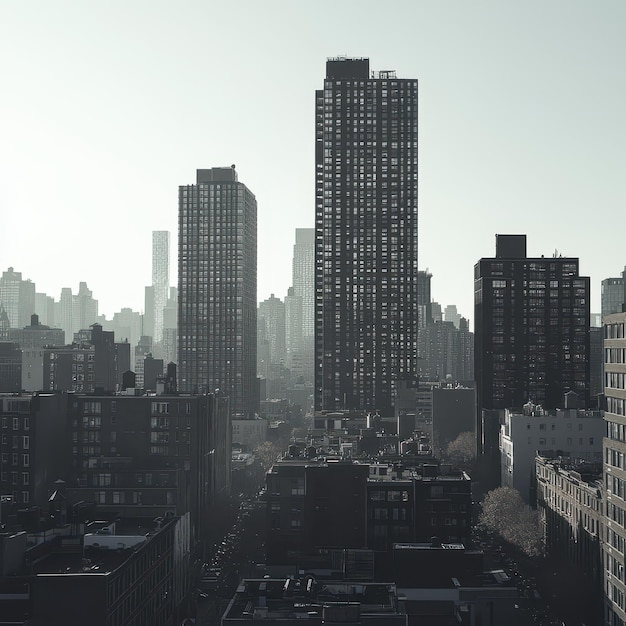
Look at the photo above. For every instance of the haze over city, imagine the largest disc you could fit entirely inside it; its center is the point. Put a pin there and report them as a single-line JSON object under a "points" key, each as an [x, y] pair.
{"points": [[108, 107]]}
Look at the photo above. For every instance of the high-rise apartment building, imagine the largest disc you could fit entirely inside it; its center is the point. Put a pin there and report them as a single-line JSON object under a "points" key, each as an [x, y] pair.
{"points": [[366, 236], [160, 281], [425, 315], [303, 278], [217, 272], [272, 319], [531, 329]]}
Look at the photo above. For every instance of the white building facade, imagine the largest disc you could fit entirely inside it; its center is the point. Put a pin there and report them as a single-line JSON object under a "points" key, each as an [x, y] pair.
{"points": [[574, 433]]}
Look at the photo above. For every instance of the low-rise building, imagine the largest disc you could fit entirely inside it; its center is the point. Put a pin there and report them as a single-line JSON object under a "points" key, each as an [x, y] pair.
{"points": [[108, 574], [569, 501], [575, 433], [289, 601]]}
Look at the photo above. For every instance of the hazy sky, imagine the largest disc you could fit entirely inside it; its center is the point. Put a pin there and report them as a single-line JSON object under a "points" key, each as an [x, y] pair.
{"points": [[107, 107]]}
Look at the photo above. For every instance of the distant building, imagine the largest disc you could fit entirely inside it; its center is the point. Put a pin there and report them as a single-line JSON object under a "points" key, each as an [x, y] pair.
{"points": [[10, 366], [425, 316], [96, 362], [153, 369], [366, 280], [75, 312], [32, 339], [303, 278], [446, 353], [612, 295], [300, 309], [17, 297], [249, 432], [142, 350], [217, 334], [450, 314], [170, 328], [127, 326], [44, 307], [37, 335], [271, 316], [575, 433], [158, 293]]}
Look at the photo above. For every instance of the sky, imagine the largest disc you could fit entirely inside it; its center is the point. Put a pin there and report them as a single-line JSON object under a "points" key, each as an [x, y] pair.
{"points": [[106, 107]]}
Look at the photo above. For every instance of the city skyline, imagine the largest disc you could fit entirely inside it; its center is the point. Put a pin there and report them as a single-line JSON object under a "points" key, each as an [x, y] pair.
{"points": [[520, 129]]}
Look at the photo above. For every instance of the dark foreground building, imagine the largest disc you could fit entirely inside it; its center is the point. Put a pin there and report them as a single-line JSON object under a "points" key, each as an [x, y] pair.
{"points": [[531, 329], [366, 277]]}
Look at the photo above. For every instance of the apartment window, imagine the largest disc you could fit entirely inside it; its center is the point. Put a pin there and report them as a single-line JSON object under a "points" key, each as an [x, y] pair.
{"points": [[25, 442], [25, 478], [26, 460]]}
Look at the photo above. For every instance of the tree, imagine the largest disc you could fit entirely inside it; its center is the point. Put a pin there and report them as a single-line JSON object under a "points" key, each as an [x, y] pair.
{"points": [[462, 451], [505, 513], [266, 454]]}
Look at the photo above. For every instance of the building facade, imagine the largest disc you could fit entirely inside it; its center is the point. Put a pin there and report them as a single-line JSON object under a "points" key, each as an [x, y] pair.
{"points": [[569, 501], [217, 307], [531, 331], [366, 277], [614, 469], [575, 433]]}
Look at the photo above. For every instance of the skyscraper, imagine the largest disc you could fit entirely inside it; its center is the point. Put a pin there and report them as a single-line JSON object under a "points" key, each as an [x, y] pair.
{"points": [[366, 305], [531, 329], [271, 314], [160, 279], [300, 308], [303, 278], [217, 272]]}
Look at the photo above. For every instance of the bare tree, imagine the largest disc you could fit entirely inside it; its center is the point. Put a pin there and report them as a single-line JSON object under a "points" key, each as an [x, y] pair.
{"points": [[462, 451], [505, 513], [267, 453]]}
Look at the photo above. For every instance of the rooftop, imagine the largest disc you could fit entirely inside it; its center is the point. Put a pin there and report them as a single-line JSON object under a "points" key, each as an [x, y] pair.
{"points": [[307, 598]]}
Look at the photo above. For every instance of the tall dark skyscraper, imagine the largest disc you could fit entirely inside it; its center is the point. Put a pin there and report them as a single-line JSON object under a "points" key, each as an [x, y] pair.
{"points": [[217, 274], [531, 329], [366, 292]]}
